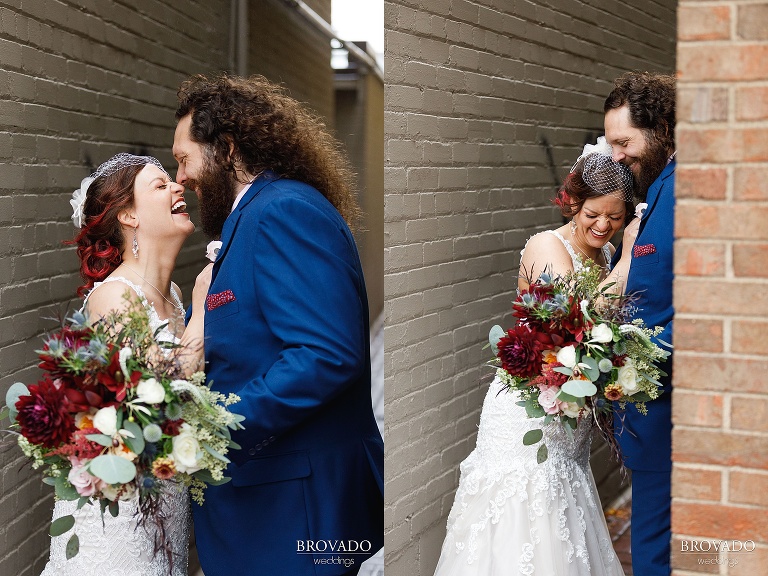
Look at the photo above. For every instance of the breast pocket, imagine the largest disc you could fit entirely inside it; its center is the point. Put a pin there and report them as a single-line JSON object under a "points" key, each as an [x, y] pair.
{"points": [[645, 259], [221, 311]]}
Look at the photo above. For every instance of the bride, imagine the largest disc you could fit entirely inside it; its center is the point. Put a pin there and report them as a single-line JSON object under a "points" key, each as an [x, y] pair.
{"points": [[133, 224], [512, 515]]}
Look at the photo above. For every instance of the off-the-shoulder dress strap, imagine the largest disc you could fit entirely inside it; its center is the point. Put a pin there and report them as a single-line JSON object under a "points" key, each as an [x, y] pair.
{"points": [[574, 258], [125, 281]]}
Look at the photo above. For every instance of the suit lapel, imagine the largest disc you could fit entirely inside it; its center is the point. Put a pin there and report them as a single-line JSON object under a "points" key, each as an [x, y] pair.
{"points": [[654, 192], [230, 224]]}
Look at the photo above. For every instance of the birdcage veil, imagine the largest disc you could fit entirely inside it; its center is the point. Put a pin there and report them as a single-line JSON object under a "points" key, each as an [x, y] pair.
{"points": [[114, 164], [599, 171]]}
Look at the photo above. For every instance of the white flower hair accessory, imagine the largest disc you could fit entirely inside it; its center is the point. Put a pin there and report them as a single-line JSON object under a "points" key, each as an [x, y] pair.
{"points": [[78, 200], [599, 147], [117, 162]]}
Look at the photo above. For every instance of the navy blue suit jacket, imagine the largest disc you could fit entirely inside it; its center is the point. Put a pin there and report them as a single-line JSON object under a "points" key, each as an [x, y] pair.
{"points": [[294, 345], [646, 441]]}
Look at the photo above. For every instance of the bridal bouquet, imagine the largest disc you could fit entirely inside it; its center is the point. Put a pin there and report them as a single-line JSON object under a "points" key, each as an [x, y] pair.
{"points": [[113, 415], [574, 350]]}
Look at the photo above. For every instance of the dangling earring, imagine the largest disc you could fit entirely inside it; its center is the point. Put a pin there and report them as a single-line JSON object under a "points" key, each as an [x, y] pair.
{"points": [[135, 248], [573, 229]]}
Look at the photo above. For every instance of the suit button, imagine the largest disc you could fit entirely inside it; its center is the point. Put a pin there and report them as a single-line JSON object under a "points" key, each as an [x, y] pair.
{"points": [[258, 447], [271, 438], [252, 451]]}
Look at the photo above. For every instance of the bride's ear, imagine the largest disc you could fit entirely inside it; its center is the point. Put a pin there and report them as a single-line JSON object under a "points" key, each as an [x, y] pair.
{"points": [[128, 218]]}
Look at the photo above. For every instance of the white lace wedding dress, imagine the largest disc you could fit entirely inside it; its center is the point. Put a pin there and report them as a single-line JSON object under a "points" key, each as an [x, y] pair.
{"points": [[119, 547], [512, 515]]}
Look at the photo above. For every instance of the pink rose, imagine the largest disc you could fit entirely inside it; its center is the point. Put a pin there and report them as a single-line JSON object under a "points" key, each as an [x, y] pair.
{"points": [[86, 484], [547, 399]]}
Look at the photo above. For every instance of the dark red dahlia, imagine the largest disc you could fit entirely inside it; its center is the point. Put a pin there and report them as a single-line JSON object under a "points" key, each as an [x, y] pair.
{"points": [[172, 427], [520, 352], [44, 414]]}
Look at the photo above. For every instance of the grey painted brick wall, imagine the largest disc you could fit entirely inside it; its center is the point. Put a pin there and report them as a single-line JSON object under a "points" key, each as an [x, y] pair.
{"points": [[487, 104], [79, 82]]}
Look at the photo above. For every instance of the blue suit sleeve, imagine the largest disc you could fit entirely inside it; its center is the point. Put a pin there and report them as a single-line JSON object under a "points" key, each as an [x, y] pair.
{"points": [[309, 289]]}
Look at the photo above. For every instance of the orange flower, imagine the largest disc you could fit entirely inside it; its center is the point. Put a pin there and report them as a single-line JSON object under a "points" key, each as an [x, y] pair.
{"points": [[164, 468], [613, 392]]}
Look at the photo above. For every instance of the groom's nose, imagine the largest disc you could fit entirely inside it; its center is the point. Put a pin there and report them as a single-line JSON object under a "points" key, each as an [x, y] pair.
{"points": [[181, 175]]}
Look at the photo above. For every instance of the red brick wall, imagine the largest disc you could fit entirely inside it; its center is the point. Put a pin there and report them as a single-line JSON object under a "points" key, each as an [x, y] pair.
{"points": [[720, 440]]}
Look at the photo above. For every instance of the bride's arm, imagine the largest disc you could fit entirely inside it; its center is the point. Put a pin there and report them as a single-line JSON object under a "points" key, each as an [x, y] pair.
{"points": [[619, 273], [192, 343]]}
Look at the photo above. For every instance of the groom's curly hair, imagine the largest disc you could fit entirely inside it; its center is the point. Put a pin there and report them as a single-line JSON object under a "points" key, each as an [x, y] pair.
{"points": [[650, 98], [252, 123]]}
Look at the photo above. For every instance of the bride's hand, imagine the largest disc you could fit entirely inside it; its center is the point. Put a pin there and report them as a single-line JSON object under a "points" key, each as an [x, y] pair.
{"points": [[630, 235], [200, 291]]}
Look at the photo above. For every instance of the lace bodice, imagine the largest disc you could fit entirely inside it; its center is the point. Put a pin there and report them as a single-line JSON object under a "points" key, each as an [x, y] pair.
{"points": [[576, 259], [155, 322]]}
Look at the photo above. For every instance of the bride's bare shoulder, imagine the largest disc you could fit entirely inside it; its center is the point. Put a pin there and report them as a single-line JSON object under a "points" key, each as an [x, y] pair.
{"points": [[109, 297], [544, 245]]}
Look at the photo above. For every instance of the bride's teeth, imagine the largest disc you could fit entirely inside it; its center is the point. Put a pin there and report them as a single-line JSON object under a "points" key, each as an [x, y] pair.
{"points": [[180, 205]]}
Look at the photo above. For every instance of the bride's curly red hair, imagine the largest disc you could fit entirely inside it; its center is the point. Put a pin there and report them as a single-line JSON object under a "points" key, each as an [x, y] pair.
{"points": [[100, 242]]}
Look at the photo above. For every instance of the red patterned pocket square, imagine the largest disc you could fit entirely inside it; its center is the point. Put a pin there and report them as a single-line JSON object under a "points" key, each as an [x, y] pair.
{"points": [[215, 300], [643, 250]]}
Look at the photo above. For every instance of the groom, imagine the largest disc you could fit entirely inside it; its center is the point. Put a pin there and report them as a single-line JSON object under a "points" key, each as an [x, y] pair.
{"points": [[286, 329], [640, 127]]}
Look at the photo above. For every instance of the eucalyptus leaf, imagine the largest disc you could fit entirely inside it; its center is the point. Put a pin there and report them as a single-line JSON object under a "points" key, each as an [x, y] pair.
{"points": [[650, 379], [568, 430], [590, 369], [65, 490], [62, 525], [521, 403], [205, 476], [214, 453], [82, 502], [548, 418], [496, 334], [234, 445], [579, 388], [114, 509], [564, 370], [136, 444], [113, 469], [102, 439], [16, 391], [532, 436], [542, 454], [565, 397], [73, 547], [533, 409], [50, 481], [5, 412]]}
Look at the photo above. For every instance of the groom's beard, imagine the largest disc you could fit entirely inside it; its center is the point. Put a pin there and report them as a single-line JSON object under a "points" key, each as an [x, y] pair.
{"points": [[217, 193], [651, 164]]}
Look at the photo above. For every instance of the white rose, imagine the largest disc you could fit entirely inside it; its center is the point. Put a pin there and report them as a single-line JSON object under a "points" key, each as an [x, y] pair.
{"points": [[150, 391], [602, 333], [110, 492], [105, 420], [567, 356], [572, 409], [627, 378], [186, 450]]}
